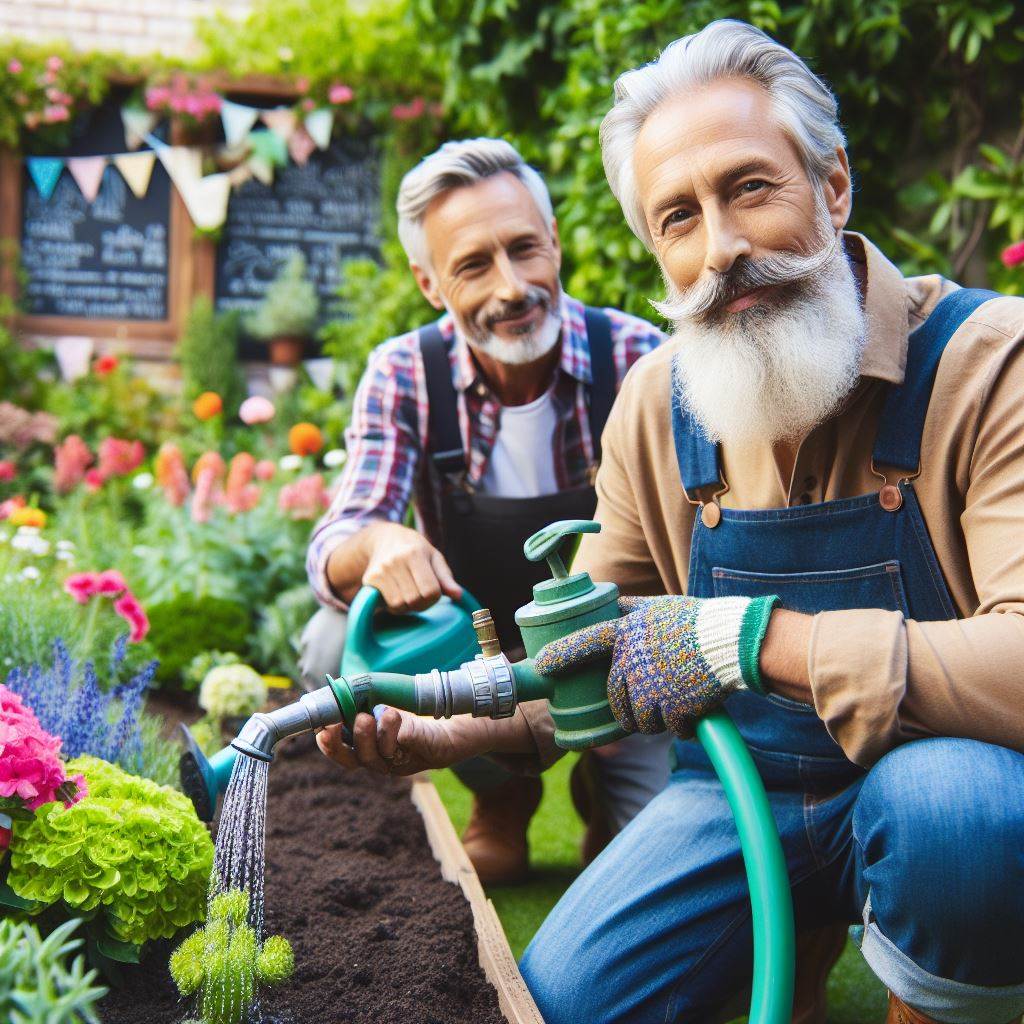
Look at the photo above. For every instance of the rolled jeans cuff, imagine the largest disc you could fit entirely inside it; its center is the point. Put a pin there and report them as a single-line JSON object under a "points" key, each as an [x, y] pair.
{"points": [[954, 1002]]}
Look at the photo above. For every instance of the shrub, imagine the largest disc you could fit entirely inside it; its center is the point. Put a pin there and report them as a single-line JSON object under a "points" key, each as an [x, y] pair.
{"points": [[186, 626], [132, 848], [289, 308], [208, 355], [37, 986], [224, 963]]}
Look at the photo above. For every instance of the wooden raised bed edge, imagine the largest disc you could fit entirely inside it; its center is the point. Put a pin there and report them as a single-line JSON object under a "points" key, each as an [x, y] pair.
{"points": [[496, 960]]}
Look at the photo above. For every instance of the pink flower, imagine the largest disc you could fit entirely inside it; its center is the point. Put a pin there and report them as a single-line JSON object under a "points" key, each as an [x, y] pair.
{"points": [[308, 104], [256, 409], [264, 469], [15, 67], [302, 84], [71, 458], [205, 495], [55, 114], [411, 111], [1013, 254], [94, 479], [240, 494], [8, 506], [54, 63], [306, 498], [340, 93], [128, 607], [7, 470], [30, 764], [84, 585], [118, 457], [171, 474]]}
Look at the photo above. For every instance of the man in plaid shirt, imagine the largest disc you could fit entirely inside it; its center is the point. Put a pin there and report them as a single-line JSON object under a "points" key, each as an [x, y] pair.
{"points": [[488, 422]]}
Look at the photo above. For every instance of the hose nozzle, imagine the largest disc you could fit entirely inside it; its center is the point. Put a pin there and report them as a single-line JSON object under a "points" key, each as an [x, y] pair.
{"points": [[265, 730]]}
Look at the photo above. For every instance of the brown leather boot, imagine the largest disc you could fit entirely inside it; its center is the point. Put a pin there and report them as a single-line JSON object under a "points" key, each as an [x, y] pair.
{"points": [[900, 1013], [585, 798], [817, 951], [495, 838]]}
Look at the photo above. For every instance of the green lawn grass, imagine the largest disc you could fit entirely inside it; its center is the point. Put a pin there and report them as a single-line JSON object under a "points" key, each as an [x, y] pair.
{"points": [[855, 995]]}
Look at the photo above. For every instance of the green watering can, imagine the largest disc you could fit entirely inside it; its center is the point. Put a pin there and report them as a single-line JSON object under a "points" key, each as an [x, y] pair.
{"points": [[487, 685]]}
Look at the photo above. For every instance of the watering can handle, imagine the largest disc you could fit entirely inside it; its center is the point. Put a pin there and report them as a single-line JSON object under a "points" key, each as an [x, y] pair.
{"points": [[363, 606], [558, 543]]}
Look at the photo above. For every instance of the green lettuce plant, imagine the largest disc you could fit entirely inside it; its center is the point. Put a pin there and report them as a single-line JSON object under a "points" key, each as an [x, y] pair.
{"points": [[232, 691], [37, 985], [132, 849], [224, 964], [289, 308]]}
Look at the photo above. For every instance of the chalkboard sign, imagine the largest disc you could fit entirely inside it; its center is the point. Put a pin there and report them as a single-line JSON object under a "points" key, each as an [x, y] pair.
{"points": [[327, 209], [105, 260]]}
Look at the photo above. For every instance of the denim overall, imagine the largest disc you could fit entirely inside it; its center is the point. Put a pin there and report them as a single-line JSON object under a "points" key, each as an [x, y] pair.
{"points": [[926, 848]]}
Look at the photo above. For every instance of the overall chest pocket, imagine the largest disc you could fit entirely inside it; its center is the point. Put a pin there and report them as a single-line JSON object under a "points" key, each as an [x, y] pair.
{"points": [[867, 586]]}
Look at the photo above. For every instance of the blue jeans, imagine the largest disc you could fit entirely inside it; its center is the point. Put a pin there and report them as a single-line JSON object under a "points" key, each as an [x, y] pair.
{"points": [[926, 850]]}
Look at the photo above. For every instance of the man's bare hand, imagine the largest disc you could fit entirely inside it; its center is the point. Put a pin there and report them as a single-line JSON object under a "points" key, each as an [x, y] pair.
{"points": [[410, 573]]}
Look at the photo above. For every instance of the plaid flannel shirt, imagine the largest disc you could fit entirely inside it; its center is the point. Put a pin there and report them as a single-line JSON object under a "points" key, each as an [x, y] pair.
{"points": [[386, 438]]}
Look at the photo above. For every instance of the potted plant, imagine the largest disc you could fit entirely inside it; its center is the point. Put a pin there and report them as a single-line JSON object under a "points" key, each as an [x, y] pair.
{"points": [[287, 315]]}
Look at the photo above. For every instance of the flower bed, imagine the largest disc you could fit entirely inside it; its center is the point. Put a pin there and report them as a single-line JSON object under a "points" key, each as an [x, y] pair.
{"points": [[379, 936]]}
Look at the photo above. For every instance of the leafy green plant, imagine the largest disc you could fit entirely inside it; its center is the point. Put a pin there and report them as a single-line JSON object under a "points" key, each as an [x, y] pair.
{"points": [[203, 662], [131, 849], [224, 963], [232, 691], [208, 355], [186, 626], [275, 644], [289, 308], [37, 984]]}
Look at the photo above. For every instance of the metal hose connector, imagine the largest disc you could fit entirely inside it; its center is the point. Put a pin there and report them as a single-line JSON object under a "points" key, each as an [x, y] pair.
{"points": [[265, 730]]}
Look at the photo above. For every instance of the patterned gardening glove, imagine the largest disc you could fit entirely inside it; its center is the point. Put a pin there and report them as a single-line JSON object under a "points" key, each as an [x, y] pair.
{"points": [[672, 658]]}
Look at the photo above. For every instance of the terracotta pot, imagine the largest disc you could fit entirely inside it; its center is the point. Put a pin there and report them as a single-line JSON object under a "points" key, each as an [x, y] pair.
{"points": [[287, 351]]}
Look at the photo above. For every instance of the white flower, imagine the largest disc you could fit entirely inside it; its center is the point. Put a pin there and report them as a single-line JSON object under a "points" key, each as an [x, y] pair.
{"points": [[285, 53], [232, 690], [142, 481], [290, 463], [5, 536], [27, 531], [39, 547], [65, 556], [65, 545], [23, 542], [30, 572], [335, 457]]}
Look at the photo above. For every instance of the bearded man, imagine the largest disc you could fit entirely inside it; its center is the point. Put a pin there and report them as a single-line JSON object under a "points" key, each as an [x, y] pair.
{"points": [[823, 472], [488, 423]]}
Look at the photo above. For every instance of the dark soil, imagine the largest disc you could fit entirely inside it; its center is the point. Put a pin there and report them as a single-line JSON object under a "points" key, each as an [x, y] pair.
{"points": [[379, 936]]}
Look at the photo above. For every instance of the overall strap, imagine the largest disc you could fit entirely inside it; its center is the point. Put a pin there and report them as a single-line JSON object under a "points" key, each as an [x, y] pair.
{"points": [[444, 441], [602, 372], [696, 455], [898, 441]]}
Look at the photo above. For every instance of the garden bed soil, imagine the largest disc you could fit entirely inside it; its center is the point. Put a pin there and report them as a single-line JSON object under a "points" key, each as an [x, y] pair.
{"points": [[379, 936]]}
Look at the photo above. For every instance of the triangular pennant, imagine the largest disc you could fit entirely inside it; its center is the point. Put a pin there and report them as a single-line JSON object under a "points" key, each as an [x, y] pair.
{"points": [[183, 165], [136, 169], [88, 174], [319, 124], [239, 175], [269, 147], [45, 172], [301, 145], [237, 120], [281, 121], [207, 200], [138, 123], [262, 169]]}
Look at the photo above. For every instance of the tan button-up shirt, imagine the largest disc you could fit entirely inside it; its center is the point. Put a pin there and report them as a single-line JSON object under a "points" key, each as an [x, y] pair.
{"points": [[878, 679]]}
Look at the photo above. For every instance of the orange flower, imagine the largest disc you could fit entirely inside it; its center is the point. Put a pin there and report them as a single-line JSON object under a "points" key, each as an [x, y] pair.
{"points": [[305, 439], [207, 405], [28, 517], [212, 461]]}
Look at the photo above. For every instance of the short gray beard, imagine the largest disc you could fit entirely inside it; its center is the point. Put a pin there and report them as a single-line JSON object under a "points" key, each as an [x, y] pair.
{"points": [[773, 372], [530, 346]]}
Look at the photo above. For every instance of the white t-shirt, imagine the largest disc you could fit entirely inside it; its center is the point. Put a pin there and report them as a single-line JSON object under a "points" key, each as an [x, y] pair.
{"points": [[522, 462]]}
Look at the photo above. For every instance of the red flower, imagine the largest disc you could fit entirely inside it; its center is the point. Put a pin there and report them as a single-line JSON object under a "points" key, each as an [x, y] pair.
{"points": [[83, 585], [71, 458], [94, 479], [1013, 254], [128, 607], [119, 457], [7, 471], [8, 506], [105, 364]]}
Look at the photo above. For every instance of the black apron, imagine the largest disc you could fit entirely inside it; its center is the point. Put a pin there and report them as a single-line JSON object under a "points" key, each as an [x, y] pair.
{"points": [[483, 535]]}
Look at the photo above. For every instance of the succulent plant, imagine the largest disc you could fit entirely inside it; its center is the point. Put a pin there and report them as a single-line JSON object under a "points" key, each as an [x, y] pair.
{"points": [[224, 964], [132, 847], [37, 985]]}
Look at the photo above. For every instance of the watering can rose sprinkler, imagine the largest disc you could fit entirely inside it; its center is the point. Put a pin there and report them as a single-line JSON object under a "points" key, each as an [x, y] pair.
{"points": [[490, 686]]}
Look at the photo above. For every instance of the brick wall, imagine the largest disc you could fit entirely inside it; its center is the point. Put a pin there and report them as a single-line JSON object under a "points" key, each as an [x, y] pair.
{"points": [[127, 26]]}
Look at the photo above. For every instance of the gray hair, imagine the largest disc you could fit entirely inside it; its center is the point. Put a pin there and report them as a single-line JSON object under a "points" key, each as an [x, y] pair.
{"points": [[804, 104], [455, 165]]}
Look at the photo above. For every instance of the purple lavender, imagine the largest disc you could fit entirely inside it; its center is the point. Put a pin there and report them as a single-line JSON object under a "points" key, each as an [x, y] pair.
{"points": [[69, 702]]}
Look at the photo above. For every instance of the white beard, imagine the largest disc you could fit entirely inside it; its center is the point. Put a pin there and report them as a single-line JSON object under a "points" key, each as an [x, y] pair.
{"points": [[771, 374], [528, 348]]}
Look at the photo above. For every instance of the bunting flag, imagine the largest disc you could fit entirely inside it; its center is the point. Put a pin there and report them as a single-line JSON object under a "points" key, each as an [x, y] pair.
{"points": [[207, 200], [319, 124], [237, 120], [88, 174], [183, 165], [269, 147], [45, 171], [136, 169], [281, 121], [301, 146], [239, 175], [261, 169], [138, 123]]}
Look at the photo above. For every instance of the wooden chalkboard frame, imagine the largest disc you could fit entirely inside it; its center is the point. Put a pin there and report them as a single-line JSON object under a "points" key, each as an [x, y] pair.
{"points": [[191, 260]]}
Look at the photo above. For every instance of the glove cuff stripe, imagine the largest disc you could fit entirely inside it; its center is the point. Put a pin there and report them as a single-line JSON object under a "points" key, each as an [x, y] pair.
{"points": [[752, 631]]}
